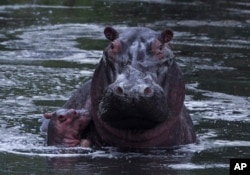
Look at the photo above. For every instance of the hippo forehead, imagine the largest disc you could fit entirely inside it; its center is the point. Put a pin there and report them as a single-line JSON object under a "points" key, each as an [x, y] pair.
{"points": [[61, 111], [136, 50], [138, 35], [136, 42]]}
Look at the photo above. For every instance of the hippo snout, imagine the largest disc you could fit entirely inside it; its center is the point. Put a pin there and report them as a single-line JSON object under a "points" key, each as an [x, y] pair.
{"points": [[134, 84], [133, 91], [132, 99]]}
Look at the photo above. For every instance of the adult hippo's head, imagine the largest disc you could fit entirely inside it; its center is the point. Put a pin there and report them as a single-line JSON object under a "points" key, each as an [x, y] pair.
{"points": [[137, 90]]}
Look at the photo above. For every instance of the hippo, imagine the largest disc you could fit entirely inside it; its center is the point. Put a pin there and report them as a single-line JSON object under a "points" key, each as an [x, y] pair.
{"points": [[66, 127], [135, 98]]}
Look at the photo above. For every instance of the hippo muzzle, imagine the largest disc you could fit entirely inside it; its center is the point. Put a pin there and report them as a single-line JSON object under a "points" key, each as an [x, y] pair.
{"points": [[133, 101]]}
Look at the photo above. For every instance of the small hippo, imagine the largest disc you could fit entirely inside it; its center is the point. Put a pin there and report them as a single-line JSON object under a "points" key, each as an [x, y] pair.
{"points": [[66, 127], [135, 98]]}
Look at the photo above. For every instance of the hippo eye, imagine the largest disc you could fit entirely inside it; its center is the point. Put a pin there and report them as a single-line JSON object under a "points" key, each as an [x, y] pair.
{"points": [[61, 118], [115, 46], [157, 49], [113, 50]]}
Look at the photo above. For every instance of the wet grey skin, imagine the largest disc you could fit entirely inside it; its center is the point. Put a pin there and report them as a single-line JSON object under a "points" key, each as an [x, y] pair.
{"points": [[137, 91], [135, 98]]}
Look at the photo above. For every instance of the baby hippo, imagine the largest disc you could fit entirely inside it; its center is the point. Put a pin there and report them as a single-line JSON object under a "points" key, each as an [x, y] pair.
{"points": [[66, 127]]}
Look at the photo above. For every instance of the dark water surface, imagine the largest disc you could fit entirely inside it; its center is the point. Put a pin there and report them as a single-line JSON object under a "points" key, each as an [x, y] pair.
{"points": [[47, 50]]}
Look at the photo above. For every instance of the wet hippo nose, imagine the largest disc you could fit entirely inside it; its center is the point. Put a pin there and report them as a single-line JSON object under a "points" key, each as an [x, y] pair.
{"points": [[141, 90], [119, 90]]}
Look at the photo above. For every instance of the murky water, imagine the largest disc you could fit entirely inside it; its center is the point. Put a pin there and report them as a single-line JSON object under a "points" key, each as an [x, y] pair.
{"points": [[47, 50]]}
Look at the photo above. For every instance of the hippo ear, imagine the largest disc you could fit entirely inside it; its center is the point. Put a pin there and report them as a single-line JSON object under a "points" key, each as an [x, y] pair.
{"points": [[110, 33], [166, 36], [48, 115]]}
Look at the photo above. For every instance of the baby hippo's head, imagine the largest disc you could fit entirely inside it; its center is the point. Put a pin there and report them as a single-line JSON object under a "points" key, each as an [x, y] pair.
{"points": [[66, 127]]}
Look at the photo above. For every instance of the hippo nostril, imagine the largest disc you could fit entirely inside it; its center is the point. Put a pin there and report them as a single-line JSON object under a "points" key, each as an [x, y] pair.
{"points": [[119, 90], [147, 91]]}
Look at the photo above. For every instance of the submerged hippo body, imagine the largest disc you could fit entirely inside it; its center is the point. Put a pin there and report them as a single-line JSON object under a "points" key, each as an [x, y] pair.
{"points": [[136, 96]]}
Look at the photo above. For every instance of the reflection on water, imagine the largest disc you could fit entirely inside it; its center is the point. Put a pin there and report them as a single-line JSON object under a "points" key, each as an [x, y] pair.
{"points": [[46, 51]]}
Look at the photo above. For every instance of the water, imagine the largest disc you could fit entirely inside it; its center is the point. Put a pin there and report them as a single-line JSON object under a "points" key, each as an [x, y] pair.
{"points": [[47, 50]]}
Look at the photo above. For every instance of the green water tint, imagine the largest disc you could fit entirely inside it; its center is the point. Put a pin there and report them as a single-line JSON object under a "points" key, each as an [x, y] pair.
{"points": [[47, 49]]}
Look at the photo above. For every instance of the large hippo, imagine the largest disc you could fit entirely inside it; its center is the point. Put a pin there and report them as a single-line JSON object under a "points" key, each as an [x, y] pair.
{"points": [[136, 96]]}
